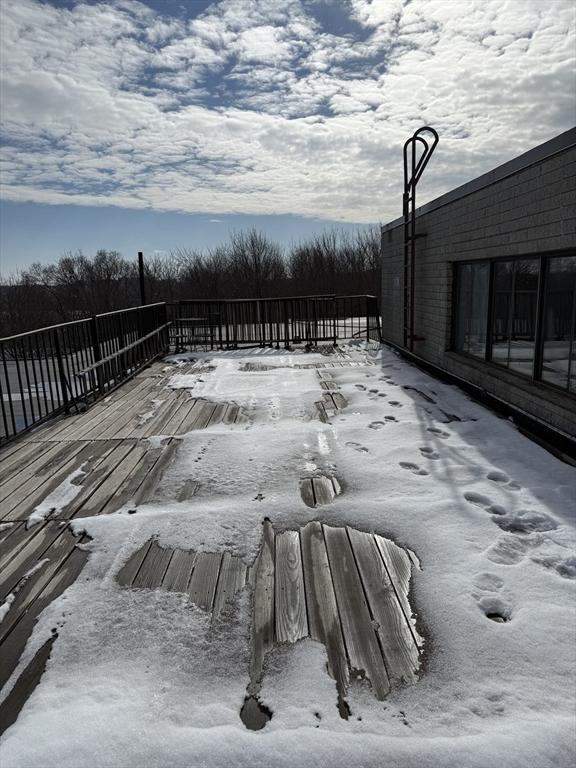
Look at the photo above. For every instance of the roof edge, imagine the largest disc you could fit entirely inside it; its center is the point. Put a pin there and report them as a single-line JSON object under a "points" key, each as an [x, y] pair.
{"points": [[535, 155]]}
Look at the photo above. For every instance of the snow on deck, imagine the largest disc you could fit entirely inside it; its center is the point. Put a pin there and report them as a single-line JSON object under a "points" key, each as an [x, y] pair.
{"points": [[195, 456]]}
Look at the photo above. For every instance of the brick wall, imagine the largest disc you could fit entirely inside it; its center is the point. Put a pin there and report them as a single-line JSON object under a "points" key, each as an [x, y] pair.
{"points": [[532, 211]]}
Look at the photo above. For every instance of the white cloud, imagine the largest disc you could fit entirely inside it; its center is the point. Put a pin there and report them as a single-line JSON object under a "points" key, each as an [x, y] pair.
{"points": [[256, 108]]}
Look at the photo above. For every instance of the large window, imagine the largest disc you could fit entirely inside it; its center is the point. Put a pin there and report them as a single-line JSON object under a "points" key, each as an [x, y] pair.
{"points": [[472, 308], [520, 314], [559, 324], [514, 314]]}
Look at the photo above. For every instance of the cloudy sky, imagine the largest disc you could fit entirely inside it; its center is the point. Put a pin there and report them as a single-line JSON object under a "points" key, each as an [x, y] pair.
{"points": [[152, 124]]}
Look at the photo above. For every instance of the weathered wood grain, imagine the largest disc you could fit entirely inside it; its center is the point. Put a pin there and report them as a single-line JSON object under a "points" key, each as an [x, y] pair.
{"points": [[31, 476], [202, 587], [291, 621], [59, 580], [231, 580], [32, 585], [400, 651], [262, 634], [129, 570], [362, 644], [28, 680], [399, 570], [322, 609], [153, 568], [28, 550], [178, 573], [324, 490]]}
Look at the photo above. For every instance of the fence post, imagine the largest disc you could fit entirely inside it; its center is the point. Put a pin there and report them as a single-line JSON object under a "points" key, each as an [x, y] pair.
{"points": [[61, 374], [96, 350], [335, 320], [141, 276]]}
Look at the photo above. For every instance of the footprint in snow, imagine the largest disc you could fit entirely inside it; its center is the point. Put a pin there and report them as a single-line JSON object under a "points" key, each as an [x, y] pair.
{"points": [[429, 453], [395, 403], [376, 425], [526, 521], [502, 479], [493, 605], [357, 447], [488, 582], [563, 566], [361, 387], [510, 550], [479, 500], [390, 418], [439, 432], [517, 521], [413, 468]]}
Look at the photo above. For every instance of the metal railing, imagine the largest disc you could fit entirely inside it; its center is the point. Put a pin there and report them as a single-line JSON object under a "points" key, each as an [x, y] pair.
{"points": [[268, 322], [64, 367], [54, 370]]}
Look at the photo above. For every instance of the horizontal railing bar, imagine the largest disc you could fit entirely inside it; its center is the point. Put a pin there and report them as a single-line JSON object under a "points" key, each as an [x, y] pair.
{"points": [[81, 321], [131, 309], [44, 330], [122, 351]]}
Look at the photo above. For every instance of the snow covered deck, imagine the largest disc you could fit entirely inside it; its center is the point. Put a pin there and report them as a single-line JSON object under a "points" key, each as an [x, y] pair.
{"points": [[244, 524]]}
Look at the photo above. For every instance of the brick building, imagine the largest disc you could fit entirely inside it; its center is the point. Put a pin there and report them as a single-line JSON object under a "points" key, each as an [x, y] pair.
{"points": [[495, 287]]}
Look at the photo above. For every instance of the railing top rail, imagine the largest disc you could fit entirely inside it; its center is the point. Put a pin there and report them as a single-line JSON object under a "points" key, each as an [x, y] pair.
{"points": [[81, 321], [274, 298], [131, 309], [16, 336]]}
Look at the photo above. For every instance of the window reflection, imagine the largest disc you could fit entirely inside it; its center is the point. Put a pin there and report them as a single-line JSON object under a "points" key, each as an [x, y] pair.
{"points": [[559, 353], [472, 308], [514, 314]]}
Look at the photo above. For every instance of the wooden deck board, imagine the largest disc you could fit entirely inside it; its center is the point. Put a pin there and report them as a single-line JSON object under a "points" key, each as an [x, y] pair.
{"points": [[362, 644], [129, 570], [202, 587], [179, 571], [232, 579], [290, 609], [323, 618], [153, 568], [24, 499], [400, 651], [60, 579], [262, 635]]}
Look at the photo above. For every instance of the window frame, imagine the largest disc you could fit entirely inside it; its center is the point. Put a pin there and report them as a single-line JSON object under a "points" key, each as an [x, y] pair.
{"points": [[535, 377]]}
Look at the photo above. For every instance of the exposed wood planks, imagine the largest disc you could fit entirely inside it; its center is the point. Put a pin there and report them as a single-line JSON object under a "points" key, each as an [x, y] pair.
{"points": [[28, 680], [57, 566], [323, 618], [231, 580], [291, 621], [401, 653], [331, 584], [202, 587], [129, 570], [263, 605], [362, 644], [319, 490], [179, 571], [153, 568]]}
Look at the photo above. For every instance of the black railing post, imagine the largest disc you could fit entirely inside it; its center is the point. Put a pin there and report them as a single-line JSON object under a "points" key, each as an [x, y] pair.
{"points": [[96, 350], [141, 276], [335, 320], [61, 374]]}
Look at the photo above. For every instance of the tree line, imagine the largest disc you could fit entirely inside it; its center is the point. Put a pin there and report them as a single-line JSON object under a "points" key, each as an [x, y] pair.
{"points": [[249, 265]]}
